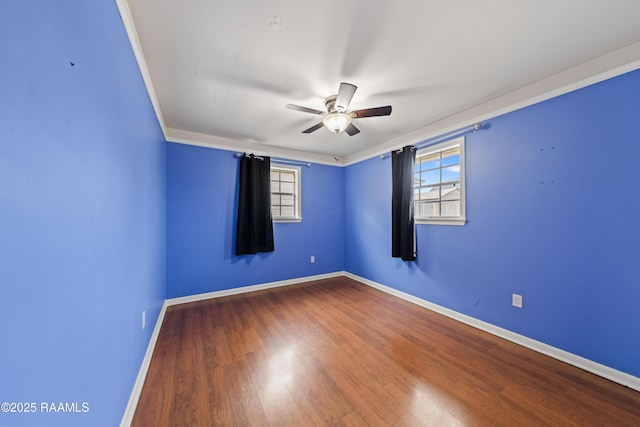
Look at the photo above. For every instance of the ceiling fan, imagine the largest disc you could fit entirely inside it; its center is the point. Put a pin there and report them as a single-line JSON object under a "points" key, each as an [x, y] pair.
{"points": [[338, 118]]}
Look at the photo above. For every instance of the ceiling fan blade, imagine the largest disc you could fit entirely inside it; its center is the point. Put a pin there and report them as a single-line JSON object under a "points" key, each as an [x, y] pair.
{"points": [[313, 128], [371, 112], [352, 130], [344, 96], [303, 109]]}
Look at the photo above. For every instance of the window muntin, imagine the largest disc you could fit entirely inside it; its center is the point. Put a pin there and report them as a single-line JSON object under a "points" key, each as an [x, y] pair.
{"points": [[439, 184], [285, 193]]}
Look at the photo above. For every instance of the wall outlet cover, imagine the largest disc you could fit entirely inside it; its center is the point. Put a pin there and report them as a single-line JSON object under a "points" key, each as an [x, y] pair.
{"points": [[516, 300]]}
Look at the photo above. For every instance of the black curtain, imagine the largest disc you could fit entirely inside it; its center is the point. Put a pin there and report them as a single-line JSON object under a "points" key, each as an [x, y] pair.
{"points": [[255, 226], [403, 243]]}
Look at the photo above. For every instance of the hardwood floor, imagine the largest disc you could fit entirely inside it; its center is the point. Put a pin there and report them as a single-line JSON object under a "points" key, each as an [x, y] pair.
{"points": [[336, 352]]}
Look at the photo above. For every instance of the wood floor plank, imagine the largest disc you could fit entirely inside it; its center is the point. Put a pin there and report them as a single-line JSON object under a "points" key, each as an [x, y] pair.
{"points": [[338, 353]]}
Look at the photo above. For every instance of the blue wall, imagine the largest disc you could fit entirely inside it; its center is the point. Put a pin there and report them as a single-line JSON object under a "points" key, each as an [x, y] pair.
{"points": [[552, 215], [201, 209], [86, 181], [82, 211]]}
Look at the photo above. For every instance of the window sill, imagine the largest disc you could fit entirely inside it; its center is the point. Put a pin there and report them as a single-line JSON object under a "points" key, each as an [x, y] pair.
{"points": [[442, 221], [287, 220]]}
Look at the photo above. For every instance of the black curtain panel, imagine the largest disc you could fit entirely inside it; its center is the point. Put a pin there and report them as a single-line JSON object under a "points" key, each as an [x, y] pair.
{"points": [[255, 226], [403, 243]]}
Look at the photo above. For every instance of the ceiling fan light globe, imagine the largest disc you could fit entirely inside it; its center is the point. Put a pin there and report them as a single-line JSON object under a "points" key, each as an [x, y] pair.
{"points": [[337, 122]]}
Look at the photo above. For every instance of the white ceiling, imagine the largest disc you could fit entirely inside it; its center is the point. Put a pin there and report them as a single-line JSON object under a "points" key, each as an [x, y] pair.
{"points": [[221, 72]]}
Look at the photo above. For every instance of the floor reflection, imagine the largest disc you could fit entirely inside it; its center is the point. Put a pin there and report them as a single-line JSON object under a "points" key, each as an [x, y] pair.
{"points": [[433, 407], [282, 375]]}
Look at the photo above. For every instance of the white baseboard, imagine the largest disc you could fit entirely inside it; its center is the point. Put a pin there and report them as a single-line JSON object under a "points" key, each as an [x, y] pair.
{"points": [[251, 288], [564, 356], [142, 373]]}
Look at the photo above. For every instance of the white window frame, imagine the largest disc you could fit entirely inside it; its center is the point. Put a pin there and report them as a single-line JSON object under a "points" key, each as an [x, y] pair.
{"points": [[297, 172], [462, 219]]}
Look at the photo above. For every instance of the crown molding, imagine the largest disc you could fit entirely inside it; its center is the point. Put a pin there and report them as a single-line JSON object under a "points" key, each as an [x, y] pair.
{"points": [[594, 71], [210, 141], [599, 69], [132, 33]]}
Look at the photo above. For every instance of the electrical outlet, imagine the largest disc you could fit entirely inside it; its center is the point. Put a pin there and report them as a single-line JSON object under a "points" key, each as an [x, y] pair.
{"points": [[144, 319], [516, 300], [313, 259]]}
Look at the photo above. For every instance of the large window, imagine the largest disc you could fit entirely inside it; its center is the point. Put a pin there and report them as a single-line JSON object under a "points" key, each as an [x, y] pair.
{"points": [[285, 193], [439, 184]]}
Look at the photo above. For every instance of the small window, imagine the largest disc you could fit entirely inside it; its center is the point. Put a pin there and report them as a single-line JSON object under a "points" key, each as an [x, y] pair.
{"points": [[438, 188], [285, 193]]}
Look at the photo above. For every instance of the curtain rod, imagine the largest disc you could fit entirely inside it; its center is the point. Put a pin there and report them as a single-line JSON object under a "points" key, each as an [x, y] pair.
{"points": [[279, 160], [444, 137]]}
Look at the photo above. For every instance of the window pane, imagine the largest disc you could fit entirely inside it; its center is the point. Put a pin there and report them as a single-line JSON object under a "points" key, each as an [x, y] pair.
{"points": [[429, 193], [451, 208], [286, 200], [437, 183], [287, 211], [430, 177], [431, 161], [286, 176], [452, 173], [451, 192], [286, 187], [427, 209], [451, 157]]}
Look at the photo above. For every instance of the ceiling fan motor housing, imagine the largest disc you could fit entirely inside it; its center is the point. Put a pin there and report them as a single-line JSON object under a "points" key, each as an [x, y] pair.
{"points": [[330, 104]]}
